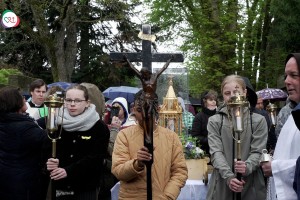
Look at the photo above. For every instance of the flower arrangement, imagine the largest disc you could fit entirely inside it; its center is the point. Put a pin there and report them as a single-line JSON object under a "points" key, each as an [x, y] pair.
{"points": [[190, 148]]}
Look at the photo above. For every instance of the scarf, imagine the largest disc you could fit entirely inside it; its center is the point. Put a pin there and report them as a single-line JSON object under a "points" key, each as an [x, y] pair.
{"points": [[82, 122]]}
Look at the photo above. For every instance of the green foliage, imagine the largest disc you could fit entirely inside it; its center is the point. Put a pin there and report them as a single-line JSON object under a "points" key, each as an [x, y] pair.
{"points": [[209, 32], [219, 38], [190, 148], [42, 45], [4, 74], [227, 37]]}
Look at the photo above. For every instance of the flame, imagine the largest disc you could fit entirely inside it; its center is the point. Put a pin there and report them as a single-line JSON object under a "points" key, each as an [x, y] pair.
{"points": [[237, 114]]}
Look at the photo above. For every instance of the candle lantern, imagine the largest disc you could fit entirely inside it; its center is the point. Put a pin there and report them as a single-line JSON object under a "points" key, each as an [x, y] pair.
{"points": [[54, 105], [272, 111], [236, 106]]}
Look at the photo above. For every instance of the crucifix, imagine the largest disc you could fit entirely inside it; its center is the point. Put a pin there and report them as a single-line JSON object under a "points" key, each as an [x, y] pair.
{"points": [[149, 97]]}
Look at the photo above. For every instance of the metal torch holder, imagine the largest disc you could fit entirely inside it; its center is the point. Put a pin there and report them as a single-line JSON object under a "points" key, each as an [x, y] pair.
{"points": [[235, 107], [54, 101], [272, 111]]}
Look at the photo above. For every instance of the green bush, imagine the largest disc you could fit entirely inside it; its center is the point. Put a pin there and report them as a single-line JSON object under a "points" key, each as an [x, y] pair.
{"points": [[4, 74]]}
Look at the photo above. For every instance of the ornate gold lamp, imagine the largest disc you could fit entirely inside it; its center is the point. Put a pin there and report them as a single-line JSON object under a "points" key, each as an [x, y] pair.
{"points": [[272, 111], [54, 104], [236, 106], [170, 113]]}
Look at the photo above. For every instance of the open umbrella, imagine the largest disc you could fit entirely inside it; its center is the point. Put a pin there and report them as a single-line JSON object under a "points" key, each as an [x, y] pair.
{"points": [[63, 85], [272, 94], [121, 91]]}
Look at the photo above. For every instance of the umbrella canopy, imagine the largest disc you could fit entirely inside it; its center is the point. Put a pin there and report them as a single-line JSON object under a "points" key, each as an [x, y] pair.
{"points": [[63, 85], [121, 91], [272, 94], [195, 101]]}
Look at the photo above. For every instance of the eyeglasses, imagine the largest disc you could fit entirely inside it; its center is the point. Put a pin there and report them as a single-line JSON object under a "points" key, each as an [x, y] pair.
{"points": [[76, 101]]}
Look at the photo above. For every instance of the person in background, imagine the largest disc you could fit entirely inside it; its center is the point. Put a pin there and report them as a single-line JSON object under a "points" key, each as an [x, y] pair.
{"points": [[187, 117], [106, 117], [119, 115], [281, 169], [253, 98], [121, 103], [22, 142], [96, 97], [81, 149], [36, 107], [272, 139], [260, 103], [169, 170], [224, 183], [51, 91], [199, 128]]}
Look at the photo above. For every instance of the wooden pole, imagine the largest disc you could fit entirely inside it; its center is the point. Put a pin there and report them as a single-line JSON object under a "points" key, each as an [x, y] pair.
{"points": [[149, 144]]}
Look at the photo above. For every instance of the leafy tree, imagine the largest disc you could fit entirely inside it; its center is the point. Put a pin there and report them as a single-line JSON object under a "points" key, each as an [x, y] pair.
{"points": [[226, 37], [210, 37], [69, 40]]}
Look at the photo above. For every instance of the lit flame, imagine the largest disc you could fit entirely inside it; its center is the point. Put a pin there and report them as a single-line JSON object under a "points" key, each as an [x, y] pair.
{"points": [[237, 114]]}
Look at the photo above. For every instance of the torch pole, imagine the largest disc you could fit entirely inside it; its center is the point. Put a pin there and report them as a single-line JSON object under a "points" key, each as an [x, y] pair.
{"points": [[239, 158], [53, 189]]}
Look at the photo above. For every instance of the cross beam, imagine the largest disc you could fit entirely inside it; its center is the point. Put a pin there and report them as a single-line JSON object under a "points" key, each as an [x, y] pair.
{"points": [[146, 56]]}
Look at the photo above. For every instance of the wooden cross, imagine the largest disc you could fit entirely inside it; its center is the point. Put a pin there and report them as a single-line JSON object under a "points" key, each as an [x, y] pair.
{"points": [[146, 56], [149, 82]]}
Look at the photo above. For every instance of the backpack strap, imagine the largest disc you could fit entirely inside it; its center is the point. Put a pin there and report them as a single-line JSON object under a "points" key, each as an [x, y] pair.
{"points": [[221, 114]]}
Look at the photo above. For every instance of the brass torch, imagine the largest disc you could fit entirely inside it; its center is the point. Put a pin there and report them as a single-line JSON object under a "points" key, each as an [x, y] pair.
{"points": [[54, 104], [272, 111], [236, 106]]}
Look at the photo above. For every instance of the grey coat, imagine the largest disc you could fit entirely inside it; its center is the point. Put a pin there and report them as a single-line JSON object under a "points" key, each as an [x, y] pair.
{"points": [[221, 142]]}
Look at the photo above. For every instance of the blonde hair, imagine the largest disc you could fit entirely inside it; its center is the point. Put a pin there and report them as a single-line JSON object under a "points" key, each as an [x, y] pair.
{"points": [[233, 78]]}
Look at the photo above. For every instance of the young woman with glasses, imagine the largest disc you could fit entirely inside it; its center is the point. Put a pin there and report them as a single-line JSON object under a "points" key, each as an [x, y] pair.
{"points": [[81, 148]]}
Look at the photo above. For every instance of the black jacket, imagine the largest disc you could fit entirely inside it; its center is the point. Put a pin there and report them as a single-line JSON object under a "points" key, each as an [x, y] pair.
{"points": [[22, 142], [199, 128], [81, 154]]}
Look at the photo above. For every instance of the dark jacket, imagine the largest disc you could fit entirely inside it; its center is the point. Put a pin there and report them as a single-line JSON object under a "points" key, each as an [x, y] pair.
{"points": [[81, 154], [21, 146], [271, 130], [199, 128], [296, 183]]}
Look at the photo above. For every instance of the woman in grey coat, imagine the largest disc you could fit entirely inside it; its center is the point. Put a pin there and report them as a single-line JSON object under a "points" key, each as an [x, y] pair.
{"points": [[223, 183]]}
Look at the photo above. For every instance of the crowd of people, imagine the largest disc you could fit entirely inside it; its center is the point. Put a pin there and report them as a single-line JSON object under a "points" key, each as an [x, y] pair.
{"points": [[97, 148]]}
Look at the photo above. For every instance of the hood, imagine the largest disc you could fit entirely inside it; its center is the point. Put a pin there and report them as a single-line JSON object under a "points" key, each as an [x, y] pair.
{"points": [[123, 102], [296, 56], [251, 94]]}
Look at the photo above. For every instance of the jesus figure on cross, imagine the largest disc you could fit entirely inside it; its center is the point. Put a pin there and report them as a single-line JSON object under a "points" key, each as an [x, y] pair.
{"points": [[149, 83]]}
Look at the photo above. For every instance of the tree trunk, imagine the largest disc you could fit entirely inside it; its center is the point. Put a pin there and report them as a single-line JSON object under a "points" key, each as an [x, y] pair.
{"points": [[61, 48]]}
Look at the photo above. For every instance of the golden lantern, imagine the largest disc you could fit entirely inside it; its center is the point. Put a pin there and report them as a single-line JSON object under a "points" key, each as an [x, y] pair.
{"points": [[272, 111], [170, 113], [54, 105], [236, 106]]}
